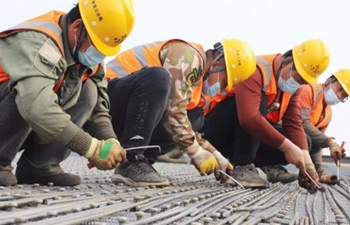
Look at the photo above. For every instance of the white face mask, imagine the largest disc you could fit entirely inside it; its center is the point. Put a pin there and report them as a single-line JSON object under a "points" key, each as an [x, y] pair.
{"points": [[289, 85], [212, 90], [91, 57], [330, 97]]}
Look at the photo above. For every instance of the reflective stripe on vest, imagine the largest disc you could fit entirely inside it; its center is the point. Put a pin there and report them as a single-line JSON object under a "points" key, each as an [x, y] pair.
{"points": [[262, 63], [147, 55], [265, 65], [321, 114]]}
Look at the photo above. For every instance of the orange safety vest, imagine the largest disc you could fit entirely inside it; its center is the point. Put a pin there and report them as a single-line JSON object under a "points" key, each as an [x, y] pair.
{"points": [[47, 24], [147, 55], [212, 101], [265, 65], [321, 113]]}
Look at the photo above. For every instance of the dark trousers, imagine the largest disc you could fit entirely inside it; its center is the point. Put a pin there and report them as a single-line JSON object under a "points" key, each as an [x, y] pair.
{"points": [[223, 130], [16, 134], [138, 105]]}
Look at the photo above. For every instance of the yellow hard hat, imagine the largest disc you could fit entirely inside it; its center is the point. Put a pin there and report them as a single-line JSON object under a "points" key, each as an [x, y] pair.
{"points": [[239, 59], [343, 77], [311, 59], [108, 22]]}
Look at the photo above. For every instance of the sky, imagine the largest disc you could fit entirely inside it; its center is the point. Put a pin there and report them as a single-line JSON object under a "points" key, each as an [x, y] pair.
{"points": [[269, 26]]}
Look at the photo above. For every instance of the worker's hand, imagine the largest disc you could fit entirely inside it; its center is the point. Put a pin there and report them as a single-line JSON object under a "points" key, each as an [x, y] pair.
{"points": [[204, 161], [293, 154], [224, 165], [328, 179], [304, 180], [336, 152], [296, 156], [106, 155]]}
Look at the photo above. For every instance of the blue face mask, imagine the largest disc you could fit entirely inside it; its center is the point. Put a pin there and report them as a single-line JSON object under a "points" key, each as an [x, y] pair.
{"points": [[91, 57], [212, 90], [330, 97], [289, 85]]}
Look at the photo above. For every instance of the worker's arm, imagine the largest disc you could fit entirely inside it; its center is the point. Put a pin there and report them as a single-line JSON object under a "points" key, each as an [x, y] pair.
{"points": [[292, 123], [181, 60], [185, 66], [318, 138], [34, 62], [99, 125], [248, 99]]}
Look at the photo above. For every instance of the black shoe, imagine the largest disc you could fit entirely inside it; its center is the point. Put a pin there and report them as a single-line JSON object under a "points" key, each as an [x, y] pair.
{"points": [[26, 173], [6, 176]]}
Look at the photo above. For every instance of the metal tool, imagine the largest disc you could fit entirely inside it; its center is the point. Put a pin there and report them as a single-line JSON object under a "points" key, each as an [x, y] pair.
{"points": [[234, 180], [317, 185], [338, 163], [139, 157]]}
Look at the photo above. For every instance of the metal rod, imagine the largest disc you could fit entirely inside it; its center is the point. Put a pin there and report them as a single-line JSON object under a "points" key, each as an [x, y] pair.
{"points": [[233, 179], [317, 185]]}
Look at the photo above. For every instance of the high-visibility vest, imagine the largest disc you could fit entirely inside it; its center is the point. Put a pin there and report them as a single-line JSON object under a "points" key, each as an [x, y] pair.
{"points": [[47, 24], [212, 101], [265, 65], [147, 55], [321, 113]]}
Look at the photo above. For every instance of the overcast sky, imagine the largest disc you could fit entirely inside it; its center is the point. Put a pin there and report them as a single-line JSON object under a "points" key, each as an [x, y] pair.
{"points": [[269, 26]]}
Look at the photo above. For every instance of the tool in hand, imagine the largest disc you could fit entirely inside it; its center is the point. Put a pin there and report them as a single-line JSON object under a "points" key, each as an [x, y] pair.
{"points": [[338, 163], [317, 185], [139, 157], [233, 179]]}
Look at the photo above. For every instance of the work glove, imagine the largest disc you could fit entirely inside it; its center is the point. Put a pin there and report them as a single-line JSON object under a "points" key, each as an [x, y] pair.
{"points": [[106, 155], [304, 180], [328, 179], [204, 161], [224, 165], [336, 152]]}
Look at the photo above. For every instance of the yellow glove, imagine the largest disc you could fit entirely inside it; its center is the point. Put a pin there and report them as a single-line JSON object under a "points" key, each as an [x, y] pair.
{"points": [[224, 165], [204, 161], [105, 155]]}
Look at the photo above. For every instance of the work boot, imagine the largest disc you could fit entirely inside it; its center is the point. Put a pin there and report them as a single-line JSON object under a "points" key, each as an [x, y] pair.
{"points": [[7, 178], [249, 177], [138, 174], [278, 173], [174, 156], [26, 173]]}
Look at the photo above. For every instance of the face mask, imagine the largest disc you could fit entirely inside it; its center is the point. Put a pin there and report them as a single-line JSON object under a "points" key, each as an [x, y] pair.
{"points": [[213, 89], [330, 97], [289, 85], [91, 57]]}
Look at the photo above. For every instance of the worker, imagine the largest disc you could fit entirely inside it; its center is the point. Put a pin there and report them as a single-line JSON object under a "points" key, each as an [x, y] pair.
{"points": [[238, 120], [53, 96], [153, 90], [316, 113]]}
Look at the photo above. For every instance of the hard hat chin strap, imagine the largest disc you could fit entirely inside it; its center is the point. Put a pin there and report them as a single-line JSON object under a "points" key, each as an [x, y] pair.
{"points": [[218, 47], [79, 41]]}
